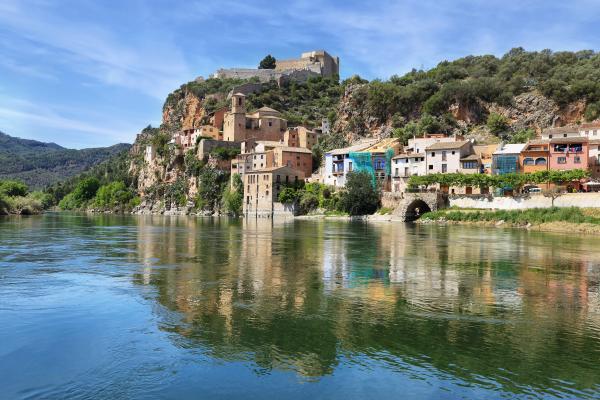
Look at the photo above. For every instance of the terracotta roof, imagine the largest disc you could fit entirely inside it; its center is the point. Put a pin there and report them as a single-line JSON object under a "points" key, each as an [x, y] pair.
{"points": [[273, 169], [356, 147], [579, 139], [594, 141], [409, 155], [538, 141], [561, 129], [382, 145], [447, 145], [470, 157], [295, 149], [268, 109], [595, 124]]}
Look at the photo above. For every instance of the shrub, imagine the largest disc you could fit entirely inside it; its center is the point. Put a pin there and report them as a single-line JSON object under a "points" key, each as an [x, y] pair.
{"points": [[13, 188], [234, 196], [497, 123]]}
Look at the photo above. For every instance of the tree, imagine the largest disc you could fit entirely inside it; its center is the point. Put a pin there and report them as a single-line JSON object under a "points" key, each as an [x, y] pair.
{"points": [[210, 188], [268, 62], [360, 197], [497, 123], [553, 194], [234, 196]]}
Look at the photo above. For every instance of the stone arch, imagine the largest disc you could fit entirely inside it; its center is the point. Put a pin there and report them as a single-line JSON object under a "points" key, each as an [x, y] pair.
{"points": [[415, 209]]}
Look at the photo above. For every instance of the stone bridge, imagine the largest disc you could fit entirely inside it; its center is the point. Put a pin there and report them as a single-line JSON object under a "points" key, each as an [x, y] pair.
{"points": [[410, 206]]}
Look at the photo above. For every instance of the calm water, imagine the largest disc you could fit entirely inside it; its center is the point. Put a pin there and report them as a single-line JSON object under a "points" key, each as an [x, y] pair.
{"points": [[111, 307]]}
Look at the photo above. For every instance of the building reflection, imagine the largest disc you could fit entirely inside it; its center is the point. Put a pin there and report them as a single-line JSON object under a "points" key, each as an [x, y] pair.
{"points": [[303, 295]]}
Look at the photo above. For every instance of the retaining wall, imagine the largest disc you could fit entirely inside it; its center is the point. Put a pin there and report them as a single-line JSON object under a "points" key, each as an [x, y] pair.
{"points": [[591, 200]]}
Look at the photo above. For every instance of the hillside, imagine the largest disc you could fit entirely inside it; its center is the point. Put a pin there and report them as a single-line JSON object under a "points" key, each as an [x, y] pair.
{"points": [[40, 164], [510, 98]]}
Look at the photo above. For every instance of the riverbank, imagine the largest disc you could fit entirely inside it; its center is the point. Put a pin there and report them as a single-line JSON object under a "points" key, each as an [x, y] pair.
{"points": [[571, 220]]}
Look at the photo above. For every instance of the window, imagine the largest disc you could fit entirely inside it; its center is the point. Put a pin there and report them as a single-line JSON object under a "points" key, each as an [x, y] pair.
{"points": [[564, 135], [528, 161], [540, 161], [396, 173], [433, 154], [443, 155], [278, 179], [560, 148], [444, 168], [577, 160], [350, 166], [270, 124], [562, 160], [430, 166], [453, 152], [549, 136], [406, 171], [470, 164]]}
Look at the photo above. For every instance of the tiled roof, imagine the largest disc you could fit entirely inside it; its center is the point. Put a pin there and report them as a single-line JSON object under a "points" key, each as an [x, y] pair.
{"points": [[470, 157], [447, 145], [295, 149], [579, 139], [562, 129], [356, 147], [409, 155]]}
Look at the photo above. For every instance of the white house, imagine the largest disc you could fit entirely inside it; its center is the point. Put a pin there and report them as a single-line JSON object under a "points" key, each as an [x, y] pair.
{"points": [[337, 163], [444, 157], [404, 166]]}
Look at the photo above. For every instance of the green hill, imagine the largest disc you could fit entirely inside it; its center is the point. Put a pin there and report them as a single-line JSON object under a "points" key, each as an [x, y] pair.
{"points": [[40, 164]]}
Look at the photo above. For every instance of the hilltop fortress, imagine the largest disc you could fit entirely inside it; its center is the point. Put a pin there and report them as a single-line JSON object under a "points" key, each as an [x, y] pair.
{"points": [[312, 63]]}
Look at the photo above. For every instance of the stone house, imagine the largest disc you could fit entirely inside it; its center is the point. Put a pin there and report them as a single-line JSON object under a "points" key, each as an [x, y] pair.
{"points": [[262, 187], [444, 157], [300, 137], [594, 158], [419, 144], [404, 166], [297, 158]]}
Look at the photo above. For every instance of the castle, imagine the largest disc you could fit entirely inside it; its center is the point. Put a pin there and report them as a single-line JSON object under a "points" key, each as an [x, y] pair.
{"points": [[312, 63]]}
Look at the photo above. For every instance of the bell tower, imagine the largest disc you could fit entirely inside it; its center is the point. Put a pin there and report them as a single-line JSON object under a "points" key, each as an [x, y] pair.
{"points": [[238, 103]]}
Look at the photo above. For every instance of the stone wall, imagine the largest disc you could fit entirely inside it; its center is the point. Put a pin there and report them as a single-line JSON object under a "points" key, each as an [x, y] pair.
{"points": [[591, 200], [207, 145]]}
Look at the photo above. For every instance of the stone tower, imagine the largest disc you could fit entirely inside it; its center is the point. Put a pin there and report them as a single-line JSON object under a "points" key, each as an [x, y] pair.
{"points": [[234, 126]]}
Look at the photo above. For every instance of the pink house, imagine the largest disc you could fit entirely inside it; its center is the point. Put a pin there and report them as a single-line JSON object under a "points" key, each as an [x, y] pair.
{"points": [[569, 153]]}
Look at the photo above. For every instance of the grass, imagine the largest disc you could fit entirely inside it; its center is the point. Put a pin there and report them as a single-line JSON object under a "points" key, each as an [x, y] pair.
{"points": [[385, 211], [520, 217]]}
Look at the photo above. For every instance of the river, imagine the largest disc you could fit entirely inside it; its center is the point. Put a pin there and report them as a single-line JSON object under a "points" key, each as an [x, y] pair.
{"points": [[128, 307]]}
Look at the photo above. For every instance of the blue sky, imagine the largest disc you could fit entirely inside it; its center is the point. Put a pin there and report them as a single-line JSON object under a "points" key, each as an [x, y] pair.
{"points": [[85, 73]]}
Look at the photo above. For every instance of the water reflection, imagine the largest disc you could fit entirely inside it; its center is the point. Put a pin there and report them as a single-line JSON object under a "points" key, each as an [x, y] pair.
{"points": [[505, 311], [491, 307]]}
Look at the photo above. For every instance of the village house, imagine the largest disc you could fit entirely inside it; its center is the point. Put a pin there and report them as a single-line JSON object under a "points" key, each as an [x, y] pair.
{"points": [[444, 157], [264, 124], [569, 153], [505, 159], [561, 132], [471, 164], [485, 153], [594, 158], [419, 144], [262, 187], [338, 163], [297, 158], [300, 137], [535, 156], [404, 166]]}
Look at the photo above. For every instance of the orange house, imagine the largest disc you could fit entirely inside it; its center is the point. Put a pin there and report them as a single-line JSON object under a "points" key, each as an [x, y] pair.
{"points": [[535, 156]]}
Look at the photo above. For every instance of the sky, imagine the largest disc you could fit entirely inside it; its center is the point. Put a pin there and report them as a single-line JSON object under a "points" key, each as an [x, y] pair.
{"points": [[89, 73]]}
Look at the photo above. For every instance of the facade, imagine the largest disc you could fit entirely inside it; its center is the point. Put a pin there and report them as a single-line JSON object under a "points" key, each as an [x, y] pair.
{"points": [[485, 153], [418, 145], [444, 157], [338, 163], [590, 130], [297, 158], [562, 132], [569, 153], [594, 158], [264, 124], [471, 164], [404, 166], [535, 156], [262, 187], [149, 154], [300, 137], [505, 159]]}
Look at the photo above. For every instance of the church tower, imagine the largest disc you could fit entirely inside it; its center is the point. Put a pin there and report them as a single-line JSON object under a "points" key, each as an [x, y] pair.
{"points": [[234, 127]]}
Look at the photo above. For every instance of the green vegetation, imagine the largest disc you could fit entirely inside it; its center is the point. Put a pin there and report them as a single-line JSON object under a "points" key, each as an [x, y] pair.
{"points": [[514, 180], [202, 88], [40, 164], [300, 103], [310, 197], [517, 217], [115, 194], [15, 198], [497, 123], [522, 136], [224, 153], [81, 196], [268, 62], [211, 188], [359, 196], [234, 196]]}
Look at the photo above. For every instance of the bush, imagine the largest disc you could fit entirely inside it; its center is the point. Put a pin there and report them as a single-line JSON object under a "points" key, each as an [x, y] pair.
{"points": [[497, 123], [13, 188], [359, 197], [115, 194]]}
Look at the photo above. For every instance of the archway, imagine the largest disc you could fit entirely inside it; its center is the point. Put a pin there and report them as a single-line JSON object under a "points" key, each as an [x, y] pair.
{"points": [[415, 209]]}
